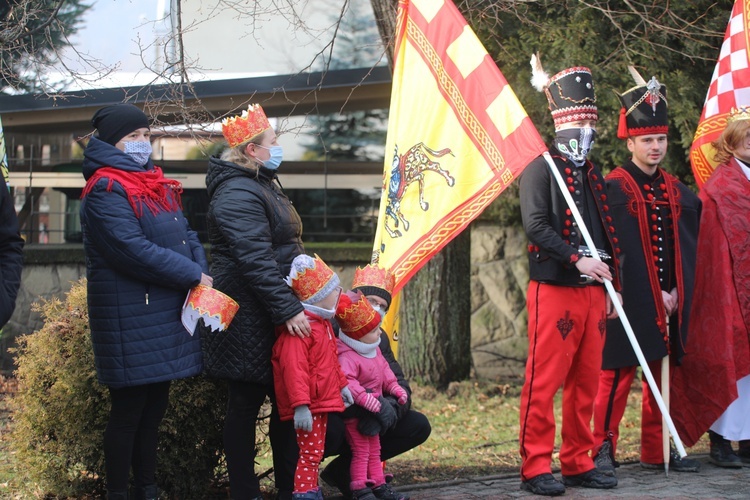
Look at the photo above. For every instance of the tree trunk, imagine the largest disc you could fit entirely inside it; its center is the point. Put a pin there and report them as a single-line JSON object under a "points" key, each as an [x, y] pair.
{"points": [[435, 343], [385, 16]]}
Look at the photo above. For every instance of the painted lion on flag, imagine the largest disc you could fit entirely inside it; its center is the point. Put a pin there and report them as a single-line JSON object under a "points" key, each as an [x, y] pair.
{"points": [[406, 169]]}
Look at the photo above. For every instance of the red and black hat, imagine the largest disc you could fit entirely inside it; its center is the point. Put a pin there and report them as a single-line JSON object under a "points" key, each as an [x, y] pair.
{"points": [[570, 92], [644, 108]]}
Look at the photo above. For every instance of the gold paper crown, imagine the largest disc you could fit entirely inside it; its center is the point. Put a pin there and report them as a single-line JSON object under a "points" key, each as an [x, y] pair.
{"points": [[311, 279], [374, 275], [238, 129], [355, 315], [735, 114], [215, 307]]}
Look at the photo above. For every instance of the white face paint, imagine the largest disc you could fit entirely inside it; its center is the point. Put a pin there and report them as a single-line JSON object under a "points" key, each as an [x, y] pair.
{"points": [[575, 143]]}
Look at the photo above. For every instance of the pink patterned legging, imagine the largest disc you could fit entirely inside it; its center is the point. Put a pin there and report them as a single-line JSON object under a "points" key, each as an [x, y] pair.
{"points": [[311, 445], [366, 468]]}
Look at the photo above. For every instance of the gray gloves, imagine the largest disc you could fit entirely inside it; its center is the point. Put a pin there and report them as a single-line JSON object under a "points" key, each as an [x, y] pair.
{"points": [[346, 396], [303, 418]]}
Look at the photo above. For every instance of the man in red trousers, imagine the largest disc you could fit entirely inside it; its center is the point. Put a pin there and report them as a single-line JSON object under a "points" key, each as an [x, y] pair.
{"points": [[567, 304], [657, 219]]}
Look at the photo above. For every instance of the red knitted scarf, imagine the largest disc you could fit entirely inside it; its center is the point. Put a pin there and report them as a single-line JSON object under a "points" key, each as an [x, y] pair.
{"points": [[149, 188]]}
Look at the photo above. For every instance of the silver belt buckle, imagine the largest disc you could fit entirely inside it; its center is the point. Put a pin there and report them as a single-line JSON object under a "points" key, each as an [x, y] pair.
{"points": [[585, 251]]}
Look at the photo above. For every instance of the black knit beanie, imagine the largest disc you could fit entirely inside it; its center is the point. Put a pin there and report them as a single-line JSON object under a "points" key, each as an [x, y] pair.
{"points": [[373, 290], [115, 122]]}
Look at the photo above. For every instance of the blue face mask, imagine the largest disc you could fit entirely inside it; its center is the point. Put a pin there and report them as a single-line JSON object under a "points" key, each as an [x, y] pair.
{"points": [[277, 154], [139, 151]]}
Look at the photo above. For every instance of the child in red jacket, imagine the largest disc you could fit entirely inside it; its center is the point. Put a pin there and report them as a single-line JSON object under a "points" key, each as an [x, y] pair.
{"points": [[308, 380]]}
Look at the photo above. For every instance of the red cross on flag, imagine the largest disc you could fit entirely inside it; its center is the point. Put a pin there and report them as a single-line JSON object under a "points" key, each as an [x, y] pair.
{"points": [[729, 88]]}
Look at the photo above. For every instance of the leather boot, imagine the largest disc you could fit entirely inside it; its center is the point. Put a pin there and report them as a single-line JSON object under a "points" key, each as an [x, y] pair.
{"points": [[721, 452], [544, 484], [604, 460], [363, 494], [744, 452], [150, 492]]}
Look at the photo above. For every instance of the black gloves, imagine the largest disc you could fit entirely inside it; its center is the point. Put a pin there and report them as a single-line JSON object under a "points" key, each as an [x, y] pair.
{"points": [[368, 425], [401, 410], [380, 422], [387, 415]]}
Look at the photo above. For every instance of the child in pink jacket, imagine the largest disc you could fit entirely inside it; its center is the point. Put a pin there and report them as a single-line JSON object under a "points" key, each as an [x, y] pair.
{"points": [[369, 377]]}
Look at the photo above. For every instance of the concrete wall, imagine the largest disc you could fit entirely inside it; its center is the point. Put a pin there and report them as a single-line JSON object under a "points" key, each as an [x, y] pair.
{"points": [[498, 293]]}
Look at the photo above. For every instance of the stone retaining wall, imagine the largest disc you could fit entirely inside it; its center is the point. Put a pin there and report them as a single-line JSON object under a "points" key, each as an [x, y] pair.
{"points": [[498, 293]]}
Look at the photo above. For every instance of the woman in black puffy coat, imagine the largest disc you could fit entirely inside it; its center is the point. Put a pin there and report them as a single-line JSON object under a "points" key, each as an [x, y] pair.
{"points": [[255, 233], [142, 259]]}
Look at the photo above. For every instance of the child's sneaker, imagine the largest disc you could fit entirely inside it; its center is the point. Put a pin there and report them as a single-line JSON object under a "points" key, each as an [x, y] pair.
{"points": [[385, 492], [315, 494]]}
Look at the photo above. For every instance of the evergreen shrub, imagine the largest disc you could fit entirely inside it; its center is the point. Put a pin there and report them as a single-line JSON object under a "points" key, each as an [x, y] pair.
{"points": [[60, 412]]}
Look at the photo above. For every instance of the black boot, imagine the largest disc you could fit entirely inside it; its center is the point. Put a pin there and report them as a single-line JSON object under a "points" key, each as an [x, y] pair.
{"points": [[150, 492], [117, 495], [543, 484], [363, 494], [604, 460], [385, 492], [744, 452], [721, 453]]}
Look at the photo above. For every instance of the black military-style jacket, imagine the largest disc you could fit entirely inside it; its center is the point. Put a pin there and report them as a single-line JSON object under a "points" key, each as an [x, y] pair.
{"points": [[554, 237], [657, 218]]}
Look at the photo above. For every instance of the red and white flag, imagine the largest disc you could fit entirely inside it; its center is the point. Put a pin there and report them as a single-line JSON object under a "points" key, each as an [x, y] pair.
{"points": [[729, 88]]}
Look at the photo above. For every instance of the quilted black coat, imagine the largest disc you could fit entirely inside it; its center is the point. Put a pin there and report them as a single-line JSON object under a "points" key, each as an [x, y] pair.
{"points": [[11, 255], [255, 233]]}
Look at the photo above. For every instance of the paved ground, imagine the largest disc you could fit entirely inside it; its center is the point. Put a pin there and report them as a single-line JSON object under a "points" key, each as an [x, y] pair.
{"points": [[634, 482]]}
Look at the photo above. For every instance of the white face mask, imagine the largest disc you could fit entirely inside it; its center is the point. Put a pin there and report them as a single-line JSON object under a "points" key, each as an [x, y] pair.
{"points": [[380, 311], [320, 311], [140, 151]]}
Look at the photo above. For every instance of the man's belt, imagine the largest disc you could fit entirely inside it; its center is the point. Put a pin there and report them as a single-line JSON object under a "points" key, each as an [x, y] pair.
{"points": [[584, 251]]}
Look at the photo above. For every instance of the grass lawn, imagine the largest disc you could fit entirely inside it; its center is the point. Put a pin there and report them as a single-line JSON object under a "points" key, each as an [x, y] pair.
{"points": [[474, 433], [475, 427]]}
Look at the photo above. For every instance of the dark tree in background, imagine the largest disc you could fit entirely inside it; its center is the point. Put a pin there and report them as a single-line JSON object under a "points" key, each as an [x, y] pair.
{"points": [[678, 42], [32, 34], [435, 337]]}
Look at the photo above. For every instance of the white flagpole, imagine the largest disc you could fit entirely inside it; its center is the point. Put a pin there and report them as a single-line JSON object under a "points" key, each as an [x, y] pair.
{"points": [[665, 397], [616, 303]]}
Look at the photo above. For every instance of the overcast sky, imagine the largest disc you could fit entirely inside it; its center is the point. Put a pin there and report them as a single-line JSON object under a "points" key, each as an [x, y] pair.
{"points": [[111, 28], [115, 32]]}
